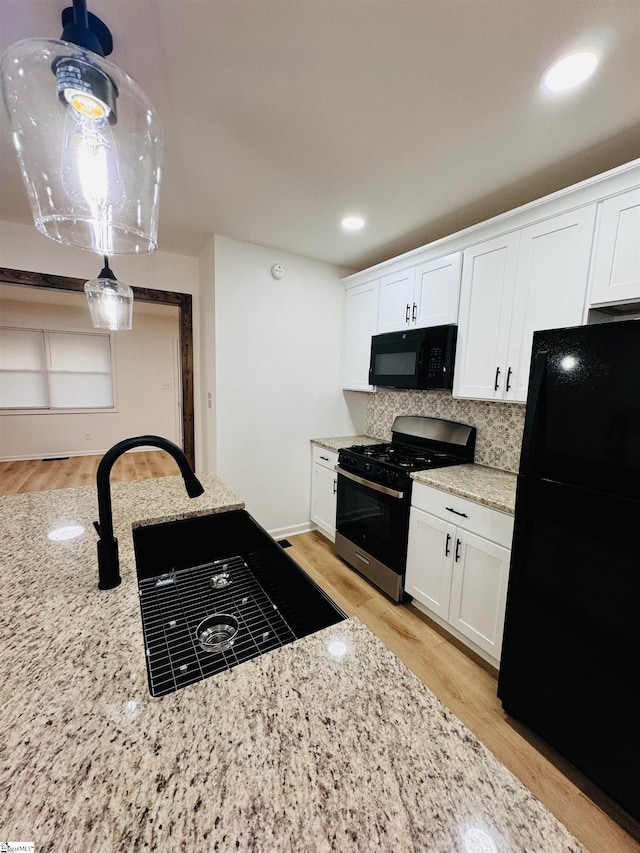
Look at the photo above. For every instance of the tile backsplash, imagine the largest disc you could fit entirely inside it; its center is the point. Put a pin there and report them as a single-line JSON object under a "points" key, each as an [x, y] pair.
{"points": [[499, 425]]}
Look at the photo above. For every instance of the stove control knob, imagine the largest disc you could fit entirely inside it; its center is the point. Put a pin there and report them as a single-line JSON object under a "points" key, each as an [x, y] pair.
{"points": [[367, 466]]}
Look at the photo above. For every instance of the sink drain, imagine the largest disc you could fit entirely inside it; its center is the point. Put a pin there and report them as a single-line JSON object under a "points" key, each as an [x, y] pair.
{"points": [[220, 581], [217, 633]]}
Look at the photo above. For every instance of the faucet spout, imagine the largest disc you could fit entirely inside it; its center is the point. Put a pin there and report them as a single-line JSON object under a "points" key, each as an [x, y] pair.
{"points": [[108, 561]]}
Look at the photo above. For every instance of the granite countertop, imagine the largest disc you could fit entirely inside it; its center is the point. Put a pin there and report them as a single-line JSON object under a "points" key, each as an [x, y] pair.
{"points": [[340, 441], [488, 486], [329, 743]]}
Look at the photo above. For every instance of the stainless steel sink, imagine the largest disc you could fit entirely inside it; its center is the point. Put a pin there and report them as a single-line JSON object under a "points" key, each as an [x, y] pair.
{"points": [[216, 591]]}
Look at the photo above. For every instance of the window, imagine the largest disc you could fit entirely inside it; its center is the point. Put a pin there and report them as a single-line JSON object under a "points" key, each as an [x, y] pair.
{"points": [[46, 371]]}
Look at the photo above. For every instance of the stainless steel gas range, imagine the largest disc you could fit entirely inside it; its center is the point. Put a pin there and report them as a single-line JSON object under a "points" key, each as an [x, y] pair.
{"points": [[374, 494]]}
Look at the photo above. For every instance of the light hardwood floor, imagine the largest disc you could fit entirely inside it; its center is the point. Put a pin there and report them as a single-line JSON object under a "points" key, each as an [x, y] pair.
{"points": [[467, 686], [39, 475]]}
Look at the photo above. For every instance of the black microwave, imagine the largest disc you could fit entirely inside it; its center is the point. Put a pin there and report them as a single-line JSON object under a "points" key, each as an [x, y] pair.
{"points": [[417, 358]]}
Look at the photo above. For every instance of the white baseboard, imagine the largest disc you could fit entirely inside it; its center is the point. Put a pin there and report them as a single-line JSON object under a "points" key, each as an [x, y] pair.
{"points": [[56, 454], [292, 530]]}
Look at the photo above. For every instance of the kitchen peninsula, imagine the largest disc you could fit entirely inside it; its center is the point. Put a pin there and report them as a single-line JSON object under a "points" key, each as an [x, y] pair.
{"points": [[329, 743]]}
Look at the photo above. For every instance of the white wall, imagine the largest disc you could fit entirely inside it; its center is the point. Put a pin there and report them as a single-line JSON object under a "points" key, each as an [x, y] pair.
{"points": [[206, 389], [22, 247], [145, 364], [278, 352]]}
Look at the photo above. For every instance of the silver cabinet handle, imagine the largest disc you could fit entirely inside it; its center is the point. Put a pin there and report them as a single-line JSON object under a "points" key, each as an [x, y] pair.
{"points": [[406, 316], [414, 312], [373, 486]]}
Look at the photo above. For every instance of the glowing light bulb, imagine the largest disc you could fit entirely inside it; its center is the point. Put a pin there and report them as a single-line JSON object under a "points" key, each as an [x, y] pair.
{"points": [[90, 171]]}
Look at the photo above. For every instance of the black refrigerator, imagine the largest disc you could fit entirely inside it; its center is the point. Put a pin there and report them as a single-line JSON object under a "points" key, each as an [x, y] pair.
{"points": [[570, 666]]}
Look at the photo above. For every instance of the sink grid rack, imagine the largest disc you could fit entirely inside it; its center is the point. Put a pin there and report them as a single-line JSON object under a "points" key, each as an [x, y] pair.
{"points": [[173, 605]]}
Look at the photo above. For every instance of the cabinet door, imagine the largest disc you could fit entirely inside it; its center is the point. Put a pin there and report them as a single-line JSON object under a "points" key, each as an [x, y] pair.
{"points": [[551, 287], [361, 322], [323, 499], [437, 291], [616, 258], [396, 301], [429, 561], [479, 590], [486, 300]]}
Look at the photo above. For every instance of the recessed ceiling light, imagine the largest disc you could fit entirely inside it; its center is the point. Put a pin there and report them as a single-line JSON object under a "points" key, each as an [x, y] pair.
{"points": [[352, 223], [569, 71]]}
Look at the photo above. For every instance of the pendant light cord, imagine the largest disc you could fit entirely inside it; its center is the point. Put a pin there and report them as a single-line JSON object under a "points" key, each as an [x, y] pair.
{"points": [[80, 14]]}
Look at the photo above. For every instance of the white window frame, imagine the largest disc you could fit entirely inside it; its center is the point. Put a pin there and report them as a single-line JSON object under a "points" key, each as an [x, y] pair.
{"points": [[48, 410]]}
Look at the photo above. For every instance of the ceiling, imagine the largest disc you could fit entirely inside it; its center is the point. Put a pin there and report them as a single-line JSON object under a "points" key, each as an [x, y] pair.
{"points": [[424, 116]]}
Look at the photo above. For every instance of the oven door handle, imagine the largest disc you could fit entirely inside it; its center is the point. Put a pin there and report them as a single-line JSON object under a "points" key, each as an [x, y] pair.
{"points": [[374, 486]]}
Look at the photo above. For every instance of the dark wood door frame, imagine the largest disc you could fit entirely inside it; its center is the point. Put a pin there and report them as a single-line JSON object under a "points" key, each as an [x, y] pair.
{"points": [[182, 301]]}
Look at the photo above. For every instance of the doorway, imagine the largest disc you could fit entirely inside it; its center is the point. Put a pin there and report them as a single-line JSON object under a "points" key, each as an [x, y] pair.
{"points": [[183, 301]]}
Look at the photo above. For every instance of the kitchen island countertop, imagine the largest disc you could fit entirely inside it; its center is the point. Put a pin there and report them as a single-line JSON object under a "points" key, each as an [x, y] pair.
{"points": [[329, 743]]}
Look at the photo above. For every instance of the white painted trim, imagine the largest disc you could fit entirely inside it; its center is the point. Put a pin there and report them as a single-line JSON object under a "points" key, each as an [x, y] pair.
{"points": [[70, 453], [594, 189], [292, 530]]}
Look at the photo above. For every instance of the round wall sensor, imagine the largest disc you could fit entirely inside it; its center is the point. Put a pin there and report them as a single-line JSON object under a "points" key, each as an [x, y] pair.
{"points": [[277, 271]]}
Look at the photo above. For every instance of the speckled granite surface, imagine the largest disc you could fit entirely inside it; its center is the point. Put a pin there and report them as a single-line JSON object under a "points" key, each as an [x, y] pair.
{"points": [[487, 486], [327, 744], [341, 441]]}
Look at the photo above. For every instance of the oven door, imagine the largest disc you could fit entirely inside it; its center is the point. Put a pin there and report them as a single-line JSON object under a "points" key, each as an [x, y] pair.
{"points": [[375, 519]]}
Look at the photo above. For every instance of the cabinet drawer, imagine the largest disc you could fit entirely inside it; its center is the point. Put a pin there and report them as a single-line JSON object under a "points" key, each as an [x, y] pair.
{"points": [[491, 523], [327, 458]]}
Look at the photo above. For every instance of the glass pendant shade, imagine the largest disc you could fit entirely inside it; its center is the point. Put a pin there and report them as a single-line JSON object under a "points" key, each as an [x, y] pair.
{"points": [[110, 301], [89, 144]]}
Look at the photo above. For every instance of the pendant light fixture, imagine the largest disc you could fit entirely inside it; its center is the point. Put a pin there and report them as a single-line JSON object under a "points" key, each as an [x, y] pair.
{"points": [[88, 139], [110, 301]]}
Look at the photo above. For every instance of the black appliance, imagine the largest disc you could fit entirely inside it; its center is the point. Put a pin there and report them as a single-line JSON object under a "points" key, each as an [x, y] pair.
{"points": [[374, 494], [571, 646], [418, 358]]}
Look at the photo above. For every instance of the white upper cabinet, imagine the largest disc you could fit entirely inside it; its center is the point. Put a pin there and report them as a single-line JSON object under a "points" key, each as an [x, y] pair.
{"points": [[421, 296], [616, 260], [437, 291], [551, 285], [361, 323], [486, 301], [513, 285], [396, 301], [539, 266]]}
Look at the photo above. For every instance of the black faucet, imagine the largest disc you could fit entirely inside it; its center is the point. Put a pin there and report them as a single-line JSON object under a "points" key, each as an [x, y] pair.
{"points": [[108, 563]]}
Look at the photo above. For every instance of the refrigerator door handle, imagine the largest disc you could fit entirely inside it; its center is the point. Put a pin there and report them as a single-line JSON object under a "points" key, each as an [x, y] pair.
{"points": [[538, 372]]}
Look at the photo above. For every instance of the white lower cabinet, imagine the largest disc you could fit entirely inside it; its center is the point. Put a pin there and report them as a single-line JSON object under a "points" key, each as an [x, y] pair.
{"points": [[324, 485], [455, 574]]}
